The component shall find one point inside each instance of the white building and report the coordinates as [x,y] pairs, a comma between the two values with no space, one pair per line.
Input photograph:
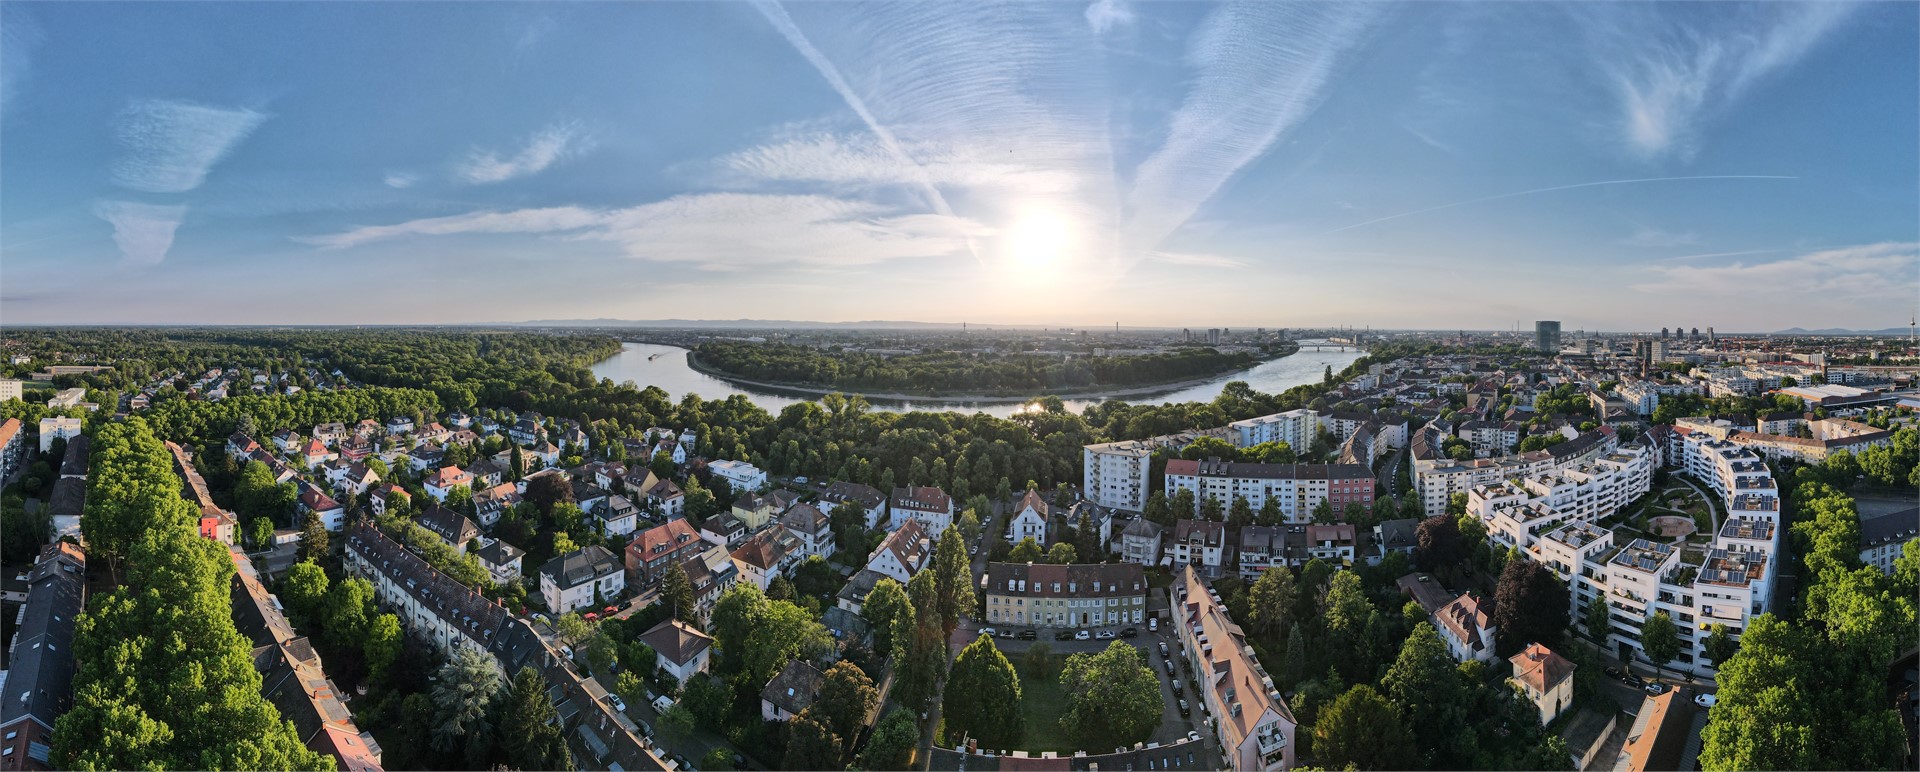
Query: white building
[1438,477]
[932,507]
[57,429]
[1117,474]
[1297,428]
[1029,520]
[581,579]
[1297,488]
[744,477]
[11,389]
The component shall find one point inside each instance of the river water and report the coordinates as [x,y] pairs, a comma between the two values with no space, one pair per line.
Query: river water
[648,364]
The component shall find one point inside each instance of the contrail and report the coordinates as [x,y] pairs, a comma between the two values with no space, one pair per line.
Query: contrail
[1552,189]
[777,15]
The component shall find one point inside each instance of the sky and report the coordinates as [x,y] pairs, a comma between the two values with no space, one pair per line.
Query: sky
[1617,166]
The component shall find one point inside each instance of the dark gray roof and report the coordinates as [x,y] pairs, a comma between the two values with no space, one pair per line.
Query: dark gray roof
[1890,528]
[39,684]
[498,552]
[449,525]
[794,688]
[74,464]
[581,566]
[69,497]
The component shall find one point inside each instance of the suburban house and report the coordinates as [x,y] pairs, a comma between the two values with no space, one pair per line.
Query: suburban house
[1332,542]
[654,549]
[868,498]
[425,457]
[723,529]
[315,453]
[903,553]
[312,499]
[285,440]
[812,527]
[399,425]
[1052,595]
[1030,520]
[1546,678]
[445,479]
[330,433]
[669,498]
[1262,547]
[1201,543]
[683,648]
[1394,536]
[449,526]
[385,496]
[744,477]
[853,595]
[615,515]
[1140,542]
[1467,628]
[932,507]
[767,554]
[712,572]
[790,692]
[502,560]
[753,510]
[490,503]
[581,579]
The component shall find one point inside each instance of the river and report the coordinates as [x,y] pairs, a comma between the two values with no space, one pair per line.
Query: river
[648,364]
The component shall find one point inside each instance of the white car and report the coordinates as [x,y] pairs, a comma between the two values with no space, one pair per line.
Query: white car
[619,705]
[1105,635]
[1706,700]
[987,631]
[1083,636]
[1153,625]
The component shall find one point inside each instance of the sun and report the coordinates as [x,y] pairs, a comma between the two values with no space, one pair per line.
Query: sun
[1038,243]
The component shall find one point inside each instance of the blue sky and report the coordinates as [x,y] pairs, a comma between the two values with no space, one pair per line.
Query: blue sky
[1614,166]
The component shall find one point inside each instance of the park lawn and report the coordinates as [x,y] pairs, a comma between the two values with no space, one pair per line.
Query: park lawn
[1042,703]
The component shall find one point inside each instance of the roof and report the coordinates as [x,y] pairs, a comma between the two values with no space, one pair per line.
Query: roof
[39,683]
[922,498]
[1190,468]
[69,497]
[1032,500]
[909,544]
[724,524]
[9,430]
[74,463]
[794,688]
[676,641]
[1212,533]
[1399,534]
[1229,670]
[581,566]
[662,540]
[766,549]
[1658,737]
[1142,528]
[1890,528]
[1540,668]
[1464,618]
[805,518]
[498,552]
[1049,580]
[1338,533]
[452,527]
[866,496]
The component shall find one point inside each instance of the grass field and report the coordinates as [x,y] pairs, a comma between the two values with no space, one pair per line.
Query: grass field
[1041,705]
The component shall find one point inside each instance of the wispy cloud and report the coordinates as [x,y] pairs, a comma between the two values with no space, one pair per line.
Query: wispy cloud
[1654,238]
[543,150]
[719,231]
[863,161]
[401,179]
[1846,274]
[1105,15]
[169,146]
[144,232]
[1197,259]
[19,36]
[1670,76]
[1556,188]
[1263,68]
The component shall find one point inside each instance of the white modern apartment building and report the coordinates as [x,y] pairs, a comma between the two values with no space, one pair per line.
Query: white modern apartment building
[1642,397]
[1249,718]
[1296,428]
[57,428]
[1117,473]
[1730,469]
[1516,512]
[1298,488]
[1437,477]
[744,477]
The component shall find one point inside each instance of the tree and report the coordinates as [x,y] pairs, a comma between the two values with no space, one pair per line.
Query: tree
[313,538]
[1270,513]
[261,531]
[709,699]
[1425,686]
[886,603]
[983,695]
[662,465]
[1529,605]
[1791,699]
[1113,697]
[846,697]
[305,589]
[757,636]
[926,651]
[547,491]
[1347,607]
[529,725]
[1659,639]
[1157,510]
[892,741]
[1438,544]
[347,618]
[1241,513]
[562,544]
[463,690]
[384,641]
[571,629]
[676,591]
[1599,618]
[1027,551]
[953,576]
[1062,553]
[717,760]
[1361,730]
[1720,645]
[810,744]
[1271,600]
[1211,510]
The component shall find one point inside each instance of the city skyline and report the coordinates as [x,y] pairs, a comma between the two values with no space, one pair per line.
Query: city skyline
[1299,165]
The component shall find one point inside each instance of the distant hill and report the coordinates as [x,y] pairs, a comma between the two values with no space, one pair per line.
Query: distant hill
[742,324]
[1842,331]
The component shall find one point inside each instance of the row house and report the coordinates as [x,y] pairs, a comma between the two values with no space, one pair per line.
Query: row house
[1076,595]
[1249,718]
[1297,488]
[40,659]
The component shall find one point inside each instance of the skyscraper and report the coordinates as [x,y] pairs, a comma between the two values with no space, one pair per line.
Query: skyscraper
[1546,336]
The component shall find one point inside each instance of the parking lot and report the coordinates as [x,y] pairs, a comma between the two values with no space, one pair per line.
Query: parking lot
[1173,726]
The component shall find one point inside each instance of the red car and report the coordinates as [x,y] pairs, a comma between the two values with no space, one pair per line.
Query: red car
[611,610]
[591,616]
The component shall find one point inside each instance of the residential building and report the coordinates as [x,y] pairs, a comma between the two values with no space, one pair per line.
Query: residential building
[767,554]
[932,507]
[1262,547]
[1140,542]
[502,560]
[39,679]
[1297,488]
[68,398]
[445,479]
[315,453]
[1395,536]
[1199,543]
[1884,537]
[724,530]
[1335,543]
[11,388]
[1251,721]
[1077,595]
[582,579]
[684,650]
[1660,734]
[490,503]
[754,511]
[902,553]
[653,550]
[812,527]
[712,572]
[1030,520]
[1438,477]
[449,526]
[1297,428]
[744,477]
[790,691]
[1467,627]
[1546,678]
[57,428]
[1116,474]
[312,499]
[614,515]
[13,448]
[868,498]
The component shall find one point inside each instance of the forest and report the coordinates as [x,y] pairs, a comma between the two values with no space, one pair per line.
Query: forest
[949,372]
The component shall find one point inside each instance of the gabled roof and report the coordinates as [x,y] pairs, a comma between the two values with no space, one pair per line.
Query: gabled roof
[1464,618]
[794,688]
[922,498]
[498,552]
[39,685]
[1540,669]
[450,526]
[676,641]
[581,566]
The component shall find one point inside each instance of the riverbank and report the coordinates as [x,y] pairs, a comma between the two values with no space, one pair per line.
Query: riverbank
[694,363]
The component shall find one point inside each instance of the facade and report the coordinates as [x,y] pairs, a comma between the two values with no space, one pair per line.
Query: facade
[13,448]
[932,507]
[1883,538]
[1199,543]
[1140,542]
[1298,488]
[502,560]
[767,554]
[581,579]
[1030,520]
[1546,678]
[684,650]
[1262,547]
[1051,595]
[1297,428]
[1335,543]
[57,428]
[1437,477]
[903,553]
[1546,337]
[1467,628]
[813,528]
[1250,719]
[744,477]
[1116,474]
[653,550]
[868,498]
[449,526]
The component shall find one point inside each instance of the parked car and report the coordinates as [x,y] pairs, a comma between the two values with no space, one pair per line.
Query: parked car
[1184,710]
[611,610]
[1083,636]
[987,631]
[1004,634]
[1105,635]
[618,704]
[1706,700]
[1153,624]
[1655,687]
[1193,736]
[1027,635]
[1169,667]
[1063,635]
[590,616]
[1613,672]
[1163,650]
[1130,633]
